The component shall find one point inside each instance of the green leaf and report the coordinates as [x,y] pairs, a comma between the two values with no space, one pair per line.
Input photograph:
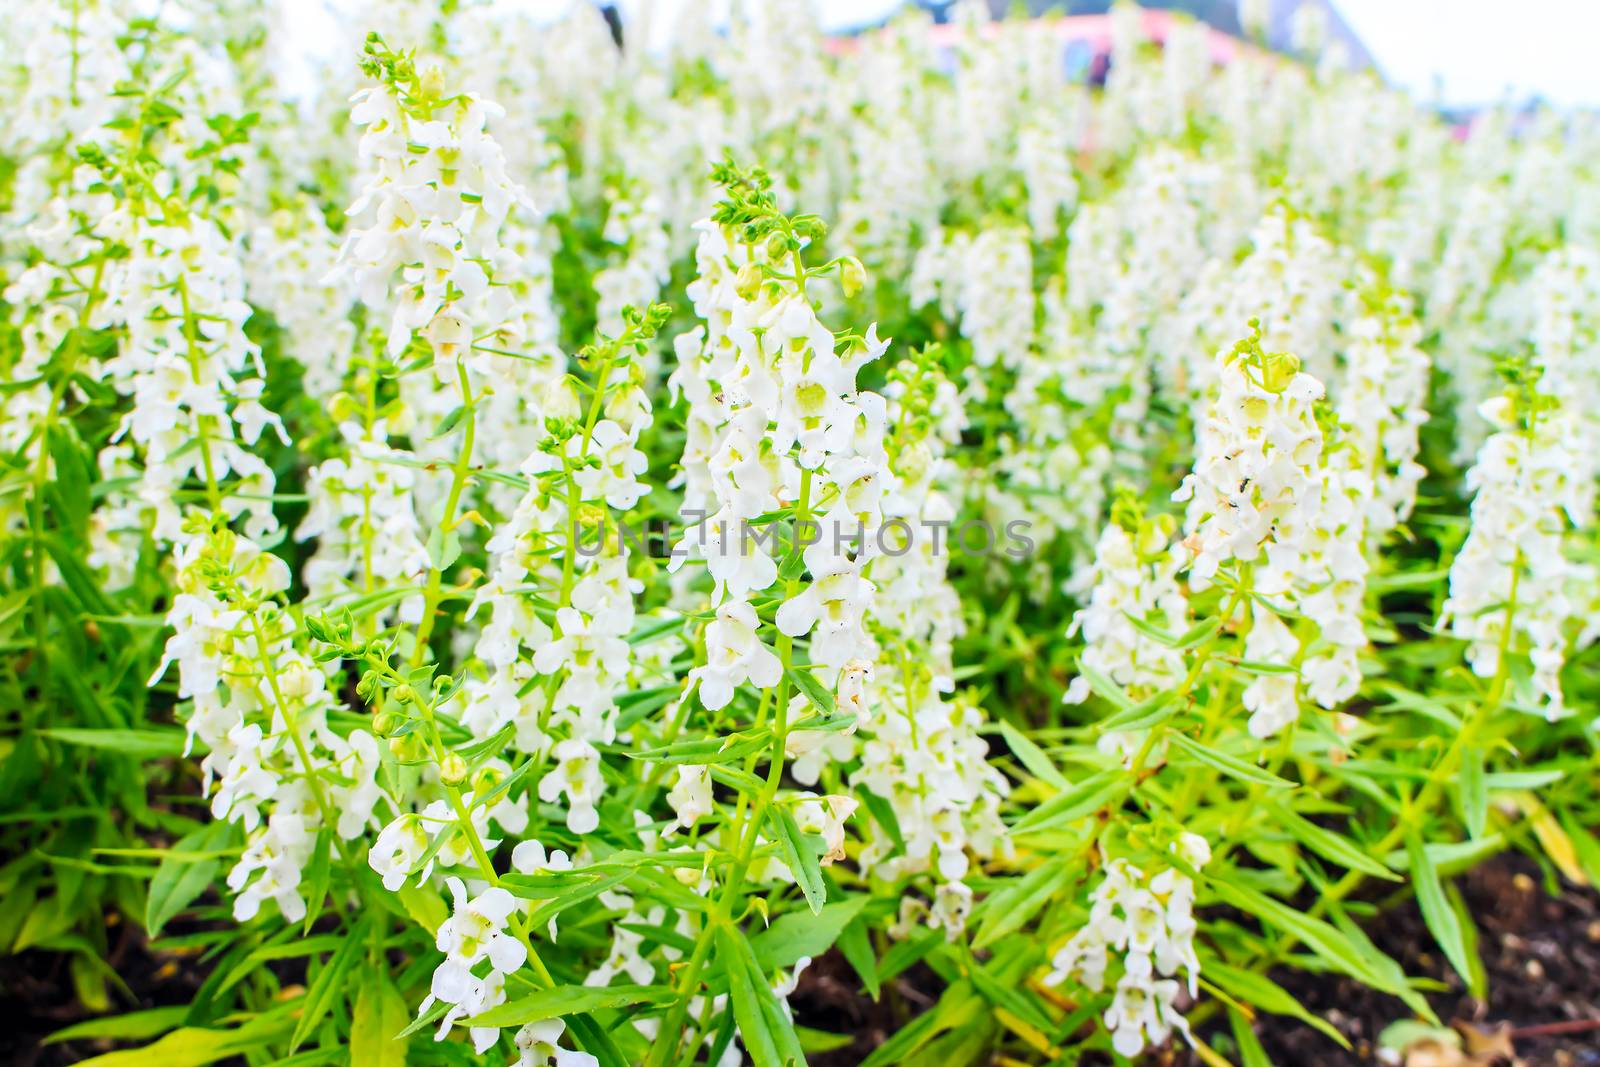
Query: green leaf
[1006,910]
[181,878]
[800,856]
[380,1014]
[1089,795]
[597,1042]
[443,548]
[796,935]
[570,1000]
[195,1046]
[1328,943]
[1507,780]
[1330,846]
[1013,1001]
[882,813]
[424,905]
[1436,911]
[1474,792]
[1584,846]
[1251,1054]
[424,1021]
[1149,712]
[133,1026]
[707,750]
[1450,856]
[819,695]
[958,1007]
[139,744]
[451,420]
[329,983]
[857,951]
[1263,994]
[816,1041]
[768,1033]
[568,898]
[318,872]
[189,1047]
[1477,977]
[1032,757]
[1232,766]
[1102,684]
[1199,634]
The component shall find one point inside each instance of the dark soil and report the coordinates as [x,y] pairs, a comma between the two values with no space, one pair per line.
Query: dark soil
[36,994]
[1541,952]
[829,997]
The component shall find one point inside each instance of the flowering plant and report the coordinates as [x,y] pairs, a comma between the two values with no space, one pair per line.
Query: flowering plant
[488,575]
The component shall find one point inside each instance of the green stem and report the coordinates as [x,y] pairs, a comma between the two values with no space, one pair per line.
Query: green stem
[447,521]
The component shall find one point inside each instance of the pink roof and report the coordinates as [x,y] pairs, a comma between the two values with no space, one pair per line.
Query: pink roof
[1093,29]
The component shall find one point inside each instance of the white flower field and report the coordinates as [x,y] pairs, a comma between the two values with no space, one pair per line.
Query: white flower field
[513,550]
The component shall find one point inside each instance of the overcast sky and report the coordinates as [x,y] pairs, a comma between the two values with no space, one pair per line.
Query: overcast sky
[1476,49]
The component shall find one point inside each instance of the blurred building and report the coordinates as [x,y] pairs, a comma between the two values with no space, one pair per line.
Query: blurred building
[1222,15]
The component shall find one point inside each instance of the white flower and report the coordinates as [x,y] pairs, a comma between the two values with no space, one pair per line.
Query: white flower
[476,930]
[734,655]
[690,795]
[577,776]
[536,1047]
[398,848]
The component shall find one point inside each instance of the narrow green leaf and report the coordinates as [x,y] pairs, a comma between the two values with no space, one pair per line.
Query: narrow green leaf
[1478,977]
[1104,687]
[764,1026]
[1089,795]
[133,1026]
[800,856]
[569,1000]
[1251,1054]
[1148,713]
[1584,845]
[1006,910]
[820,695]
[1032,757]
[1263,994]
[329,983]
[180,878]
[139,744]
[594,1040]
[1318,936]
[424,905]
[1436,911]
[1474,792]
[1232,766]
[882,813]
[857,951]
[1329,845]
[318,872]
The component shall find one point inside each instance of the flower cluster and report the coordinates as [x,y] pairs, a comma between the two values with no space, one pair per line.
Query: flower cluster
[1148,921]
[562,597]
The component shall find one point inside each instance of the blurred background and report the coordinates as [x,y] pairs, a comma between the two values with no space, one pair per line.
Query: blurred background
[1459,55]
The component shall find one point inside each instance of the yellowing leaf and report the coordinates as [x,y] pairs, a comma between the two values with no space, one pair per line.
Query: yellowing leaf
[1552,838]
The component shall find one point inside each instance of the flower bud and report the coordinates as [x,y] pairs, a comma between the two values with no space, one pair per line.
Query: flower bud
[452,769]
[561,401]
[748,281]
[852,275]
[1278,370]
